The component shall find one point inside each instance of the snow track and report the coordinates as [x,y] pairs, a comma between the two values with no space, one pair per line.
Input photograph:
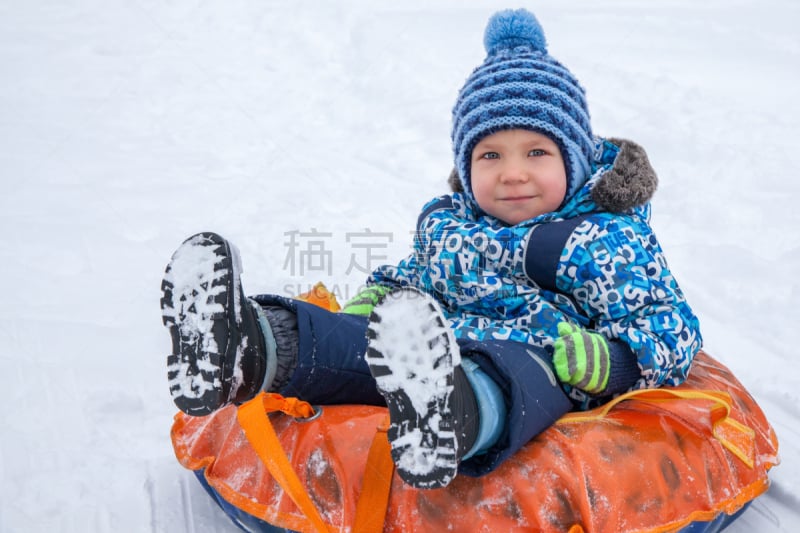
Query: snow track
[128,126]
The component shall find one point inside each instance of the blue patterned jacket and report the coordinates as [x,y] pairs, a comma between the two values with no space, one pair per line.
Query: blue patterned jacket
[604,271]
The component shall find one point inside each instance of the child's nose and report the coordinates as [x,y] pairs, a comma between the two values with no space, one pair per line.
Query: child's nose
[514,172]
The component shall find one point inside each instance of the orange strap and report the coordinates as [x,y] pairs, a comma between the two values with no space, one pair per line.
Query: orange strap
[262,437]
[732,434]
[374,498]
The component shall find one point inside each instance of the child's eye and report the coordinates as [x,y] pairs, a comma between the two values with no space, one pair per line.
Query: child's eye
[490,155]
[536,153]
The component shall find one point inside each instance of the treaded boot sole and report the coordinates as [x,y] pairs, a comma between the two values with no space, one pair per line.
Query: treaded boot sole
[199,306]
[411,354]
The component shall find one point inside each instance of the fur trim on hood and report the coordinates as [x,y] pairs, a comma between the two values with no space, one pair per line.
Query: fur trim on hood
[631,182]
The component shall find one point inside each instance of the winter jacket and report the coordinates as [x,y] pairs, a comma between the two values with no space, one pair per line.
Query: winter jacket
[585,264]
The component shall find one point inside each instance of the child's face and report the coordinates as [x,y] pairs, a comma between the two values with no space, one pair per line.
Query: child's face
[517,175]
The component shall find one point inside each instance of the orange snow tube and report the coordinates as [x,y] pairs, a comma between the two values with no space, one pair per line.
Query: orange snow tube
[656,460]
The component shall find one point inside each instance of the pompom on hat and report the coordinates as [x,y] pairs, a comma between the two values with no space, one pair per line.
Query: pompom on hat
[519,85]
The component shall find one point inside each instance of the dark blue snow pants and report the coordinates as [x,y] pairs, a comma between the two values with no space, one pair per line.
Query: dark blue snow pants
[331,370]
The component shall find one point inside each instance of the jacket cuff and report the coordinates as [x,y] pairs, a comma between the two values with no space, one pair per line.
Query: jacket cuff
[543,250]
[624,369]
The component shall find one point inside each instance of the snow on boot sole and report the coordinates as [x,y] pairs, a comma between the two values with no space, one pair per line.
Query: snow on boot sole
[202,308]
[411,354]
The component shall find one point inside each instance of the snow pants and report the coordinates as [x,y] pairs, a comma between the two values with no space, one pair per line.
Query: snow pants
[331,370]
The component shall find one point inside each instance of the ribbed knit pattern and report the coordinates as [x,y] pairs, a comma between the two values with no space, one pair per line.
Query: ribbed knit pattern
[519,85]
[283,324]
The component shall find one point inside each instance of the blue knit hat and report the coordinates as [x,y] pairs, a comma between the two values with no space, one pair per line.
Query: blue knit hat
[519,85]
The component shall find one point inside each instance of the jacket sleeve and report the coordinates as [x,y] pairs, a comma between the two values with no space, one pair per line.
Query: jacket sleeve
[614,270]
[407,272]
[467,262]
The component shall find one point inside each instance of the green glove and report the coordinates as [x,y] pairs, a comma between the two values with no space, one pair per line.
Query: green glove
[363,302]
[581,358]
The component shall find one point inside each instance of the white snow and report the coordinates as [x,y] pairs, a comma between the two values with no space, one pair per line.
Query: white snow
[420,353]
[127,126]
[190,280]
[404,349]
[192,271]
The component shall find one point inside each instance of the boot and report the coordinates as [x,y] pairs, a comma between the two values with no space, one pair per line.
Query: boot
[414,358]
[218,350]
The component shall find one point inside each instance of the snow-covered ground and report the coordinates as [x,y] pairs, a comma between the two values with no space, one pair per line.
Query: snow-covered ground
[296,129]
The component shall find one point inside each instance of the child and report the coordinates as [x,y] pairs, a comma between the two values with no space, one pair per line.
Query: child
[536,287]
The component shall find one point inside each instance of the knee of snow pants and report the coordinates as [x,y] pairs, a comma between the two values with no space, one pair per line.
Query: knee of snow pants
[330,364]
[533,396]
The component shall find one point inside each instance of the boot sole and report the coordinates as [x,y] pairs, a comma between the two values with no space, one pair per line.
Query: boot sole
[200,307]
[411,354]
